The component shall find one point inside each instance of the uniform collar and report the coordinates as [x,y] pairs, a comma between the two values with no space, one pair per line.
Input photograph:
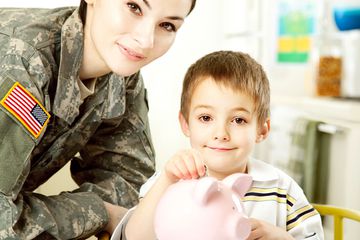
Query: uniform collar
[115,102]
[67,98]
[261,171]
[121,91]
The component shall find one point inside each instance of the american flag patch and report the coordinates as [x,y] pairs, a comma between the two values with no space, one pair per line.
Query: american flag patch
[20,103]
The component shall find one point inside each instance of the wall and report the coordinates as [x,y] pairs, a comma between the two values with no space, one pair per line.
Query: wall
[163,78]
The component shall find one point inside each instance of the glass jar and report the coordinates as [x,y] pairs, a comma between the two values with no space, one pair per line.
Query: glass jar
[328,67]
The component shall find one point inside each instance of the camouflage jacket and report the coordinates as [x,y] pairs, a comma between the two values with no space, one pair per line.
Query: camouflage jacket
[44,124]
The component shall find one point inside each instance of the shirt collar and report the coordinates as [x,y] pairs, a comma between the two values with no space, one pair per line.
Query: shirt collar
[261,171]
[67,98]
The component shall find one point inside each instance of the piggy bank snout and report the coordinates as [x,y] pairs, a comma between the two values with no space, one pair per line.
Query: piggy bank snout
[238,227]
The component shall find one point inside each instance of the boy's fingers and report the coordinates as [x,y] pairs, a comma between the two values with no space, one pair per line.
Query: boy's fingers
[182,167]
[177,166]
[199,162]
[176,171]
[189,161]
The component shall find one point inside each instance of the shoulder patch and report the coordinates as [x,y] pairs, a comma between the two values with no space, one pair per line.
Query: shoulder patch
[24,107]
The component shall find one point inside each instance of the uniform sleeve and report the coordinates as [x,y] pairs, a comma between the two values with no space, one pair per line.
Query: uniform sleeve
[119,233]
[120,157]
[27,215]
[303,221]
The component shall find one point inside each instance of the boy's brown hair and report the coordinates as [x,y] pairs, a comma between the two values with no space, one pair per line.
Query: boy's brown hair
[236,70]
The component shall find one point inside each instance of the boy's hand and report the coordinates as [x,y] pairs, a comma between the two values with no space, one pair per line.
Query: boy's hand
[185,164]
[116,213]
[262,230]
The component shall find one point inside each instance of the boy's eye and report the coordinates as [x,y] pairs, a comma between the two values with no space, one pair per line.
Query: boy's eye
[205,118]
[168,26]
[134,8]
[239,120]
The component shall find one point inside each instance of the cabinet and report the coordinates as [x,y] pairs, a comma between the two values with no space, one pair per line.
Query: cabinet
[341,119]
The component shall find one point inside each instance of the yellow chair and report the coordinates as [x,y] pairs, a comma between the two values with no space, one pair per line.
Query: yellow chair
[339,214]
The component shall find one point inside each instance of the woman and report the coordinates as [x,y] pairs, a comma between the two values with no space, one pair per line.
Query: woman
[70,83]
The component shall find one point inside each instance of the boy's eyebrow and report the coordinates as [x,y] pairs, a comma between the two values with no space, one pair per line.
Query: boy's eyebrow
[236,109]
[241,109]
[170,17]
[202,106]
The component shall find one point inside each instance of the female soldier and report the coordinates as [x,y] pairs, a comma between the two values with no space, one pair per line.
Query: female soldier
[70,83]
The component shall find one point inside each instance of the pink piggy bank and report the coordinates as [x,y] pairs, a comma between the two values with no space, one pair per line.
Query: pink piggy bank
[204,209]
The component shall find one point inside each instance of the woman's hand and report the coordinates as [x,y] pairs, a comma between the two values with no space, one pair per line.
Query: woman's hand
[261,230]
[185,164]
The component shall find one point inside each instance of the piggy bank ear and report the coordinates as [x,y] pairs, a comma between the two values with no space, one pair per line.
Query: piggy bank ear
[205,188]
[239,183]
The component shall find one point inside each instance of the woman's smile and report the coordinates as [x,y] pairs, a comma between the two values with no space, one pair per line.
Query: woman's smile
[131,54]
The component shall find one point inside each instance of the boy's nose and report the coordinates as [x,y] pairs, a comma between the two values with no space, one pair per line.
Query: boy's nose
[221,134]
[222,138]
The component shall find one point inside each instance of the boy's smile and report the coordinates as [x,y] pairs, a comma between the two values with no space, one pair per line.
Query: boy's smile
[222,125]
[221,149]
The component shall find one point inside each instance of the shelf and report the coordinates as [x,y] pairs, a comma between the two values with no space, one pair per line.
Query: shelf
[323,107]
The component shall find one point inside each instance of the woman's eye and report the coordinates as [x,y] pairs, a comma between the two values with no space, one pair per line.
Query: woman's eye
[134,8]
[168,26]
[205,118]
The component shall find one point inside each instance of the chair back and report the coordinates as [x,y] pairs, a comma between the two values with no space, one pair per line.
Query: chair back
[339,214]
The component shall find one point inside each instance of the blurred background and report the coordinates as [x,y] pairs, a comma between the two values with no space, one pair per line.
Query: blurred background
[310,50]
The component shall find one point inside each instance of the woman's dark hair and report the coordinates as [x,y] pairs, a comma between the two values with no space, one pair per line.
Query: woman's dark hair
[83,5]
[82,11]
[192,6]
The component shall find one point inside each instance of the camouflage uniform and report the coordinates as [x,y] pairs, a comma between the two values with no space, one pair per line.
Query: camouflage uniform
[41,49]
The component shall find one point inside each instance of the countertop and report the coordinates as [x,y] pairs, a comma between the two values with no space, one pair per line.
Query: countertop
[337,109]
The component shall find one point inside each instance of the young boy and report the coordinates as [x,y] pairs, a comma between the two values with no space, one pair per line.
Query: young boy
[225,112]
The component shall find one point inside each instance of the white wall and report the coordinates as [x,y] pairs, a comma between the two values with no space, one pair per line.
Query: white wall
[163,78]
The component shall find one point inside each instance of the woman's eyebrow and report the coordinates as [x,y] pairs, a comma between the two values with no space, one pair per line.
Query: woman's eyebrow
[147,4]
[170,17]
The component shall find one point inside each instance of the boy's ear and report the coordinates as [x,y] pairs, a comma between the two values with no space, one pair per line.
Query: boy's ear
[184,125]
[263,131]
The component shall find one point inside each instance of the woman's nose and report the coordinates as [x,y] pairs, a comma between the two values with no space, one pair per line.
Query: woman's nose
[145,35]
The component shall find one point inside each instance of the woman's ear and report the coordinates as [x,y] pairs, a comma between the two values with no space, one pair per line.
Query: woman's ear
[184,125]
[263,131]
